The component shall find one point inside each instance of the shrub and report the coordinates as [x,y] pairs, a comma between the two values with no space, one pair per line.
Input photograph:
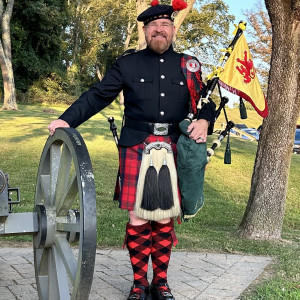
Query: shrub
[52,89]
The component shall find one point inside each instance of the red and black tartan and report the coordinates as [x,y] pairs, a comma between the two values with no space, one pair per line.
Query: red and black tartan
[193,80]
[130,159]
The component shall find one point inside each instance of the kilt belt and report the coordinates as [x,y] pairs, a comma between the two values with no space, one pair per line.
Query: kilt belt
[152,128]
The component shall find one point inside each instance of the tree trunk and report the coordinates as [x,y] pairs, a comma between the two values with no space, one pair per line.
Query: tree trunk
[141,5]
[130,28]
[76,31]
[126,45]
[264,214]
[99,75]
[181,16]
[5,58]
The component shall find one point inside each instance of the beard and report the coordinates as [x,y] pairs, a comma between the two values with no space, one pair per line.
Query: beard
[159,43]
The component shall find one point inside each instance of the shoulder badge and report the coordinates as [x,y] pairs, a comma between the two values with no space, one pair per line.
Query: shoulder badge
[192,65]
[129,51]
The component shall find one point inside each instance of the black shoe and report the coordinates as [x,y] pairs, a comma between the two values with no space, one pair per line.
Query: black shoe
[161,292]
[138,292]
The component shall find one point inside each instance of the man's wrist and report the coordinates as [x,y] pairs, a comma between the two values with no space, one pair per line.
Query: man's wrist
[208,122]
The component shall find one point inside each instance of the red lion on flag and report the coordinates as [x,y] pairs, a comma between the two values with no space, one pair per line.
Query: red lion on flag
[247,69]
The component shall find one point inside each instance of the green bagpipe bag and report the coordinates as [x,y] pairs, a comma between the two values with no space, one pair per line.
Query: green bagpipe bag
[191,162]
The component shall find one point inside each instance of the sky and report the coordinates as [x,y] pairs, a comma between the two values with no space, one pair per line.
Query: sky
[236,8]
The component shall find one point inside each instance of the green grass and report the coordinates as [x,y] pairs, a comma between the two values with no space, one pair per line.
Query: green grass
[23,135]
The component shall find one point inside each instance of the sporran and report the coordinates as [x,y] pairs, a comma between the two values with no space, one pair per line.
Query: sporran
[157,188]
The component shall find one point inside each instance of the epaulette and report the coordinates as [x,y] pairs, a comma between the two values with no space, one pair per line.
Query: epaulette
[129,51]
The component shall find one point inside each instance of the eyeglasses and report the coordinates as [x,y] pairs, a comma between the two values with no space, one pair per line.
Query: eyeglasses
[163,25]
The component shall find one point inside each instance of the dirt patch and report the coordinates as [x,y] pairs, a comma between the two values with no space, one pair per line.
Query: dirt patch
[15,244]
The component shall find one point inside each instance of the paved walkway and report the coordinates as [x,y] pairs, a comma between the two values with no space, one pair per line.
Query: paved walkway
[202,276]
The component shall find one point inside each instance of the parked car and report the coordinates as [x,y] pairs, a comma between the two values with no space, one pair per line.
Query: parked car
[238,126]
[296,148]
[251,131]
[259,128]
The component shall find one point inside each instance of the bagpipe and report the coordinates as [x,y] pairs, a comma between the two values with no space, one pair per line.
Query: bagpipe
[191,166]
[193,157]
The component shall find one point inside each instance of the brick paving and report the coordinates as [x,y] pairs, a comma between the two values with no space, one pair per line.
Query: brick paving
[205,276]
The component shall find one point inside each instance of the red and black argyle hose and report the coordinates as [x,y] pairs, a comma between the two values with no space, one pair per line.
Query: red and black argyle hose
[139,240]
[163,237]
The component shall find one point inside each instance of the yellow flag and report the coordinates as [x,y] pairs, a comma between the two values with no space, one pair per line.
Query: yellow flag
[239,77]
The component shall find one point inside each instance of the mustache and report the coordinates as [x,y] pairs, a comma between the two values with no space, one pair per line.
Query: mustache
[159,34]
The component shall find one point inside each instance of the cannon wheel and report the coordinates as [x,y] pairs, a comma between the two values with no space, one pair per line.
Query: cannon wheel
[65,202]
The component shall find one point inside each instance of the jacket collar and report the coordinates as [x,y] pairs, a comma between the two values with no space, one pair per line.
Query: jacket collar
[167,52]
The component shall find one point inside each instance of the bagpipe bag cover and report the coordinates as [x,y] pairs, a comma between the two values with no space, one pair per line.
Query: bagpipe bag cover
[191,162]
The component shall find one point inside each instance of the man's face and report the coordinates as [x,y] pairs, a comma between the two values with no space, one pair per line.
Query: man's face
[159,35]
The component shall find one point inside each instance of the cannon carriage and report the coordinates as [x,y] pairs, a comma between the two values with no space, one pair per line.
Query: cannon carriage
[63,221]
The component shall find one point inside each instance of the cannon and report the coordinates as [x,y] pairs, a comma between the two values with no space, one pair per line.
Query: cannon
[64,218]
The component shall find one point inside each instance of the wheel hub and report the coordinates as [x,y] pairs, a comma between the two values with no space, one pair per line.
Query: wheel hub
[46,219]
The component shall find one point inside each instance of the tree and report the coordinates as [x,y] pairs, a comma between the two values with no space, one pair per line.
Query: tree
[36,31]
[141,5]
[260,31]
[6,58]
[98,32]
[205,31]
[263,218]
[182,15]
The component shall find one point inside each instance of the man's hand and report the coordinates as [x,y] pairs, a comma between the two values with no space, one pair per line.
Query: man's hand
[198,130]
[56,124]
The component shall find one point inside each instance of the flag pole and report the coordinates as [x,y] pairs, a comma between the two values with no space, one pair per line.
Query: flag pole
[213,80]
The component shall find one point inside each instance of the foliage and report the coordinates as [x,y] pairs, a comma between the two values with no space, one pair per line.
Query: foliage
[51,89]
[214,227]
[95,35]
[36,44]
[205,31]
[207,26]
[82,39]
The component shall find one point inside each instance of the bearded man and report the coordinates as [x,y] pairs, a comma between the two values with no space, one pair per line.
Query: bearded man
[157,96]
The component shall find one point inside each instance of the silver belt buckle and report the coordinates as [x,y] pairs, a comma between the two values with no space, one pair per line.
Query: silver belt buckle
[161,129]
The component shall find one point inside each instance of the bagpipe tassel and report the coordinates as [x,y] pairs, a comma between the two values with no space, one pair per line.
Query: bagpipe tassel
[243,110]
[150,192]
[227,156]
[165,193]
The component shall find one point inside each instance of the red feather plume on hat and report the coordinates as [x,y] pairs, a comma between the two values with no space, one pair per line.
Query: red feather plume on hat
[154,2]
[179,5]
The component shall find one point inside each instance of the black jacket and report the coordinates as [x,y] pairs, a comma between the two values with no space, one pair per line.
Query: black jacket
[155,90]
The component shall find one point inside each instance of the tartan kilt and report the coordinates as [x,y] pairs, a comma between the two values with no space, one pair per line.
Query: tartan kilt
[130,159]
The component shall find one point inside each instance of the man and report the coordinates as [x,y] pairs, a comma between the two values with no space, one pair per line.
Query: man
[155,91]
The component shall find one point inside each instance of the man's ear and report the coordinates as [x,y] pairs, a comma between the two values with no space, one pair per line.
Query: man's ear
[144,28]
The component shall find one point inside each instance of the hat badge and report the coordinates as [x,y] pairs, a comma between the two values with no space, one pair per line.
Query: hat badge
[174,15]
